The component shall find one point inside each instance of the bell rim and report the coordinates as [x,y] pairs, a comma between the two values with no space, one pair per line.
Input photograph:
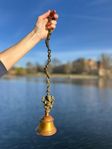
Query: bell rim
[47,133]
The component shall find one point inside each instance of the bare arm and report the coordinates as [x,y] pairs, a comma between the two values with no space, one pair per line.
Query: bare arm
[11,55]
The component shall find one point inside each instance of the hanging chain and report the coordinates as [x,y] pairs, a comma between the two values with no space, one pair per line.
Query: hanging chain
[48,62]
[48,100]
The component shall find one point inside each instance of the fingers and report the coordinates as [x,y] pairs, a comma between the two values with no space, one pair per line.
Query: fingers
[45,15]
[53,22]
[56,16]
[51,25]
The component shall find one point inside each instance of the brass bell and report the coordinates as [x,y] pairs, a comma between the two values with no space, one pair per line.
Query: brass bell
[46,126]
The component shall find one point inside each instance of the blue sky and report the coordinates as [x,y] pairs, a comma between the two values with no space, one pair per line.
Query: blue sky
[84,27]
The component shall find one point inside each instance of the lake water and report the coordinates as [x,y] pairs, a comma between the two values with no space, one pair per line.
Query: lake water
[82,112]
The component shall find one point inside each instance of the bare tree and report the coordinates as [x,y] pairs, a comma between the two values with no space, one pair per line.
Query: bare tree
[78,65]
[56,62]
[106,61]
[30,68]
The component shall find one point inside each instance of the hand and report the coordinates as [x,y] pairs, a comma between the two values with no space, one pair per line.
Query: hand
[41,23]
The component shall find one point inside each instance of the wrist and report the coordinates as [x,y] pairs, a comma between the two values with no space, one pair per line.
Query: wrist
[37,33]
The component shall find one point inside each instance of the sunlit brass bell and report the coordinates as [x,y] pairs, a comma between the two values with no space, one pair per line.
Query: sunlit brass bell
[46,126]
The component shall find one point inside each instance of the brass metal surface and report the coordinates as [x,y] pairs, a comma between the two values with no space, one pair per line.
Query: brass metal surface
[46,126]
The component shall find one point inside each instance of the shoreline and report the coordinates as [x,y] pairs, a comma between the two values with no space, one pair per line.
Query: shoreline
[66,76]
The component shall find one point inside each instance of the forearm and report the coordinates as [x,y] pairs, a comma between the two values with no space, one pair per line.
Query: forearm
[11,55]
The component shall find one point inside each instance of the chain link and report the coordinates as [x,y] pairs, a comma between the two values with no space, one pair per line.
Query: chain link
[48,100]
[48,62]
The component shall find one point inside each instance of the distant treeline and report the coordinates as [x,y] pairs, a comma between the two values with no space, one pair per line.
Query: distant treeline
[78,66]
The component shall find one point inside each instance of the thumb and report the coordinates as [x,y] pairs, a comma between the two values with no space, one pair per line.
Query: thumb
[45,15]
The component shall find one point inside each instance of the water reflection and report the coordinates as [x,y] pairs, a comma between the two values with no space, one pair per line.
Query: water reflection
[82,111]
[99,82]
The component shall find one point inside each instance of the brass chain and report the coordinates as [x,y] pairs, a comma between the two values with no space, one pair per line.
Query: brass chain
[48,62]
[48,100]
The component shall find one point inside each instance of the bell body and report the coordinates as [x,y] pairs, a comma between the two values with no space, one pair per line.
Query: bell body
[46,126]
